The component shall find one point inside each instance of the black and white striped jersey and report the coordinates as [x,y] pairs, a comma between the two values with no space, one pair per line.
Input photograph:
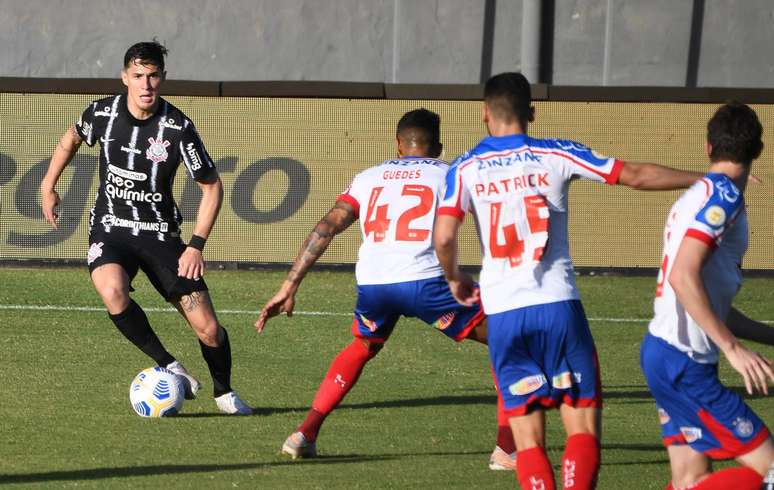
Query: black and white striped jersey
[137,165]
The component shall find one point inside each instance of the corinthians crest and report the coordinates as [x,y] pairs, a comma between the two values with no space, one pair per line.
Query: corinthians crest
[157,152]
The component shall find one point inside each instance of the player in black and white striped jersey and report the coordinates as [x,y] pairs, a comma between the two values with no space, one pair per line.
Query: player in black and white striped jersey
[135,222]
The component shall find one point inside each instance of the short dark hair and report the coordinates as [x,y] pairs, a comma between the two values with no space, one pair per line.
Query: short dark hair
[425,126]
[734,133]
[509,97]
[147,53]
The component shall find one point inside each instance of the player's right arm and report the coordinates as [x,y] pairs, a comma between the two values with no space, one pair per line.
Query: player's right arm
[686,281]
[445,235]
[654,177]
[448,220]
[63,153]
[338,219]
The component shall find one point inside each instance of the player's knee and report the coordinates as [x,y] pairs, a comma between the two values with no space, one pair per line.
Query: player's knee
[208,332]
[116,299]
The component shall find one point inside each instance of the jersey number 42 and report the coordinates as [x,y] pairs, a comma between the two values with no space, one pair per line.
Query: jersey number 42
[378,224]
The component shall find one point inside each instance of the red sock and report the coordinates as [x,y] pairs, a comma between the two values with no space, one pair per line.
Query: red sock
[669,486]
[533,469]
[504,433]
[739,478]
[580,464]
[341,377]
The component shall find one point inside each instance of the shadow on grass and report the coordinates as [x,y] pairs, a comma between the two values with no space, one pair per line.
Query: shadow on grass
[399,403]
[150,470]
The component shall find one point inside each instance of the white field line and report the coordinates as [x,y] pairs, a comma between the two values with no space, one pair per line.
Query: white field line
[101,309]
[92,309]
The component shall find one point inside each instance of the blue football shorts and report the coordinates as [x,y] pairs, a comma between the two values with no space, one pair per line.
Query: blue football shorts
[694,408]
[543,356]
[379,306]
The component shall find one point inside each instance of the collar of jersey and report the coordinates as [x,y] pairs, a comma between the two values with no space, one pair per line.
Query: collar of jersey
[124,109]
[502,142]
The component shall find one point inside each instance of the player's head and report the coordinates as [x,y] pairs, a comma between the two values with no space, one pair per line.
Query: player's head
[419,134]
[508,100]
[143,73]
[734,134]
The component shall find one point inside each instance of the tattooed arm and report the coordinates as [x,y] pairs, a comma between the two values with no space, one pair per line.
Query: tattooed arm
[337,220]
[65,150]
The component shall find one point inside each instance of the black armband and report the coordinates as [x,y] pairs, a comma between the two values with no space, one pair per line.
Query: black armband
[197,242]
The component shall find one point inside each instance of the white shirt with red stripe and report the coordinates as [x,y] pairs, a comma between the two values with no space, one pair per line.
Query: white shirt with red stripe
[711,210]
[396,203]
[517,187]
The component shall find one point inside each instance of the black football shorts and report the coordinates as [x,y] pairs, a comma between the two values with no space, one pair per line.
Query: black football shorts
[157,259]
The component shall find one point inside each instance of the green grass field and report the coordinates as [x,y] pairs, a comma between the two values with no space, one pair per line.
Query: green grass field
[421,416]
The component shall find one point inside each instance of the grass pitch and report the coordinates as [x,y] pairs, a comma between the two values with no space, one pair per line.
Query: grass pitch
[421,416]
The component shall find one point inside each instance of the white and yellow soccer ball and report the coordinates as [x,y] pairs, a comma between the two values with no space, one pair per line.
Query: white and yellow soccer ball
[157,392]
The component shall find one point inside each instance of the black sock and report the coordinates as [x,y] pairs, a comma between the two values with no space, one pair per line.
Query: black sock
[133,323]
[219,361]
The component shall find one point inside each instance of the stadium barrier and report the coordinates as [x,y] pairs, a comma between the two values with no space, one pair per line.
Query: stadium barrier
[286,150]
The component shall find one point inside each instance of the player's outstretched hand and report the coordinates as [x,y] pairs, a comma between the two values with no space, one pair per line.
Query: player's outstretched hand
[49,200]
[754,368]
[282,302]
[464,289]
[191,264]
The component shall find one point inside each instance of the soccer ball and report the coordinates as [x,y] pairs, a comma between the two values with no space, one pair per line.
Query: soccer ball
[157,392]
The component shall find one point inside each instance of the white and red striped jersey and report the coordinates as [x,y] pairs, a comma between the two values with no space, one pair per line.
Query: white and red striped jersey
[396,203]
[711,210]
[517,188]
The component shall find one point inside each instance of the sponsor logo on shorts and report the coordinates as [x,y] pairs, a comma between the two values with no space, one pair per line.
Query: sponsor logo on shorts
[715,215]
[157,151]
[370,324]
[95,252]
[445,321]
[562,381]
[743,427]
[691,434]
[663,416]
[170,123]
[527,385]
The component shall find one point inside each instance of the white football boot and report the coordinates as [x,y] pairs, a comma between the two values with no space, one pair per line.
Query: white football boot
[231,404]
[190,383]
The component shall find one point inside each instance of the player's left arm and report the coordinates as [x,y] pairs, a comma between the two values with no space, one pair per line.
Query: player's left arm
[191,263]
[338,219]
[686,280]
[445,234]
[654,177]
[746,328]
